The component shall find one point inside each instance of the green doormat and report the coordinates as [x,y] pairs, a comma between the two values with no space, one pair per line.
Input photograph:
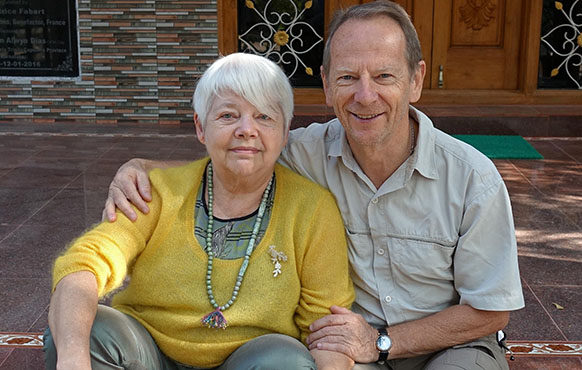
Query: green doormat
[501,147]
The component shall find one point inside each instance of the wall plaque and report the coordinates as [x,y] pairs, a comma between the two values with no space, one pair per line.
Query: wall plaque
[38,38]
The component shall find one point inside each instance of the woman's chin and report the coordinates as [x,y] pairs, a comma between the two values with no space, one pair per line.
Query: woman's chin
[244,169]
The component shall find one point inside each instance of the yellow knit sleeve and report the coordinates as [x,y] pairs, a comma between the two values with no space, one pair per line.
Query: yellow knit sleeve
[325,279]
[108,249]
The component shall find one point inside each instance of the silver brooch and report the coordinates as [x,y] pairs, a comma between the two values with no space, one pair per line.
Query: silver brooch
[276,258]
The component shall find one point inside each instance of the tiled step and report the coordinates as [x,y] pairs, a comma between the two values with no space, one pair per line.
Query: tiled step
[528,355]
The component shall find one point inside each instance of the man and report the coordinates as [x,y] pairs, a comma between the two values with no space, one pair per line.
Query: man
[432,245]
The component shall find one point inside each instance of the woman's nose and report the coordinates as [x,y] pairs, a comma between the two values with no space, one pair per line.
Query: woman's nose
[247,127]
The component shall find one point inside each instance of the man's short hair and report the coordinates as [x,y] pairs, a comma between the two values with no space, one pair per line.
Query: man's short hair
[372,10]
[256,79]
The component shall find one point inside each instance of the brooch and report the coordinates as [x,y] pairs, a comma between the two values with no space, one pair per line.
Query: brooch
[276,258]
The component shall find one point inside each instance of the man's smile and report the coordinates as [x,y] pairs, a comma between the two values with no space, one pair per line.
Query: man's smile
[366,116]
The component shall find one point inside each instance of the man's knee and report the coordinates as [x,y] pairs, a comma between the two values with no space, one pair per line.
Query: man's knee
[467,358]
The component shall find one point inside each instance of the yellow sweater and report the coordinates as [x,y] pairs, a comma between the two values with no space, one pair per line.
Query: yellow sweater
[167,265]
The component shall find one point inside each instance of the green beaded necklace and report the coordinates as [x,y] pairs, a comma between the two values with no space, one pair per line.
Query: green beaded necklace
[216,319]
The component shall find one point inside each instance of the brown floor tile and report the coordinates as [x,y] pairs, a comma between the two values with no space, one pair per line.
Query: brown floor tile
[12,158]
[531,322]
[565,125]
[99,174]
[573,211]
[29,251]
[4,172]
[66,209]
[144,147]
[545,363]
[4,353]
[545,269]
[18,203]
[23,301]
[572,148]
[5,229]
[40,325]
[24,359]
[39,177]
[547,149]
[569,298]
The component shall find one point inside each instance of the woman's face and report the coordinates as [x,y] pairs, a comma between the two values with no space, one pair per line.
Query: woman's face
[240,139]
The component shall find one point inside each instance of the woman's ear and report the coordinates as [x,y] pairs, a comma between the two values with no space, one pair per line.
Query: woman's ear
[199,128]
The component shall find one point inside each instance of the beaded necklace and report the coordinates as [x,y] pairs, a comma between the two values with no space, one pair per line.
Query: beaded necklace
[216,319]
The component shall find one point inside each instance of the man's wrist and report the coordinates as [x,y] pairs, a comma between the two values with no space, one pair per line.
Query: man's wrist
[383,344]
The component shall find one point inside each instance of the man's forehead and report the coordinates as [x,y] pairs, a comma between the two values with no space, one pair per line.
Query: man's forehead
[355,45]
[367,34]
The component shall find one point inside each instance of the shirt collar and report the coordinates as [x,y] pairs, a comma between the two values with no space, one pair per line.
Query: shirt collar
[423,159]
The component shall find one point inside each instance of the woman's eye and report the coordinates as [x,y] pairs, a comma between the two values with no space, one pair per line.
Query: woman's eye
[226,115]
[264,117]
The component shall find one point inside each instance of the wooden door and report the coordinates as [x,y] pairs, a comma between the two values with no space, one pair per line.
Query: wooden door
[476,44]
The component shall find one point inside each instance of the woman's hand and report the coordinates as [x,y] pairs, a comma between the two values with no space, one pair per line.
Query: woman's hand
[328,360]
[344,332]
[130,184]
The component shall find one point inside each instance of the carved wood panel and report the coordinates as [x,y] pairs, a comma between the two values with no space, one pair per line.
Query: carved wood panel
[476,43]
[477,22]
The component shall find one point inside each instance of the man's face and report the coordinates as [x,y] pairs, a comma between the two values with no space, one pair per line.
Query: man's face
[369,85]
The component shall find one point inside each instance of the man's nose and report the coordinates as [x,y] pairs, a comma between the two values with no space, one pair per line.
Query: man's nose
[365,91]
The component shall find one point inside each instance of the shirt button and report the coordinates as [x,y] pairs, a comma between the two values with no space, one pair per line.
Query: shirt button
[375,200]
[381,251]
[388,299]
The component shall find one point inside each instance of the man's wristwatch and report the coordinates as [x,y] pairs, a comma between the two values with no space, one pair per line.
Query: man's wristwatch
[383,344]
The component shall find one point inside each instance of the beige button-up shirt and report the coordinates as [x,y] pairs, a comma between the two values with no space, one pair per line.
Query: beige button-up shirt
[438,232]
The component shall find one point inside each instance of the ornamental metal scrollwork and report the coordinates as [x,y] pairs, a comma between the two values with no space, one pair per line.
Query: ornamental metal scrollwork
[571,47]
[281,35]
[477,13]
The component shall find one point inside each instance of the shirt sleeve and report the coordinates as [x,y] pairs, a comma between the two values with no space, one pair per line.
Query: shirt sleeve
[485,263]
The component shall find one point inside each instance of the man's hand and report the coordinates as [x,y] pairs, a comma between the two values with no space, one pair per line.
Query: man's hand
[345,332]
[130,184]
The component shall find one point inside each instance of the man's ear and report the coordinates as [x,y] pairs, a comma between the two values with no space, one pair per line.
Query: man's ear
[326,91]
[199,129]
[417,81]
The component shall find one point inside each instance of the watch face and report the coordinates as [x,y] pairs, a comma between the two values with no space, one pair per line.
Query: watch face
[383,343]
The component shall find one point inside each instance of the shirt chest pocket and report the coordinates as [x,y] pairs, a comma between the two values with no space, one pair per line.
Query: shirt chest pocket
[424,271]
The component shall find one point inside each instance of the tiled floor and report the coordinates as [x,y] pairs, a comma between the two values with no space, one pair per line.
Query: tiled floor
[52,187]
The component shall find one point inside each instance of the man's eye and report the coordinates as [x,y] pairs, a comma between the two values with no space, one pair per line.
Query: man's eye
[346,78]
[385,75]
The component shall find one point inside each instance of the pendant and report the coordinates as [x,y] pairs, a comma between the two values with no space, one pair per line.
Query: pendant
[214,320]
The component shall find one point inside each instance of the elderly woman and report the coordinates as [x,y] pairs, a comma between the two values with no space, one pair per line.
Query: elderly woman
[234,261]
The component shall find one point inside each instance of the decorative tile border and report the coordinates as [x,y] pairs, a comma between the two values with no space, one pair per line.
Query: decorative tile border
[21,340]
[519,348]
[549,348]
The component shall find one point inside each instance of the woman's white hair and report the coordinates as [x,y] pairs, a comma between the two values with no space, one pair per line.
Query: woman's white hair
[254,78]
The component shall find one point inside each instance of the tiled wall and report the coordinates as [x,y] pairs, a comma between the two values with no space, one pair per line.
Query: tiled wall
[139,63]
